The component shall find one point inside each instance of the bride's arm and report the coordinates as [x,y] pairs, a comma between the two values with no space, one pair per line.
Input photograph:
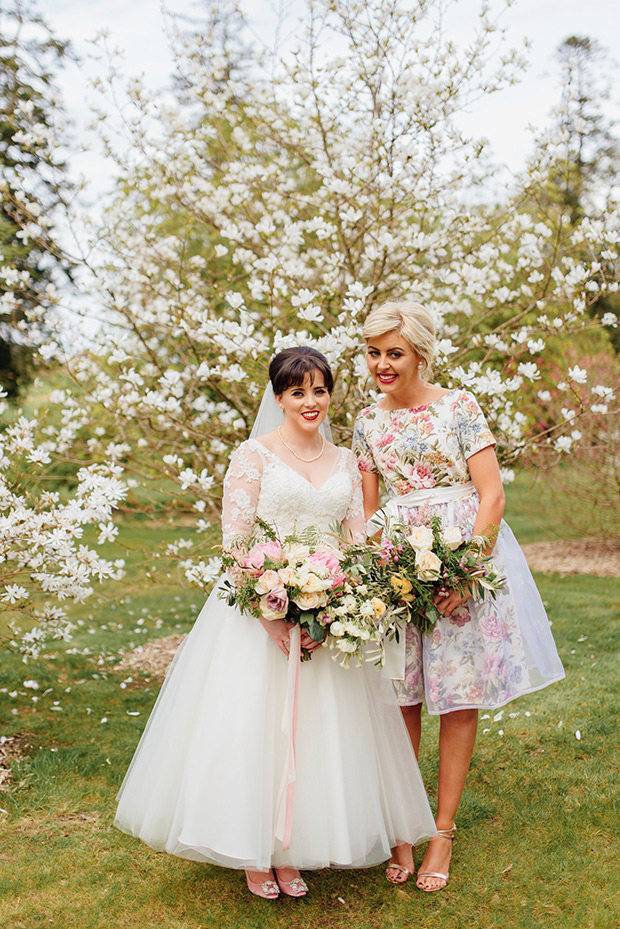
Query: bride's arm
[241,493]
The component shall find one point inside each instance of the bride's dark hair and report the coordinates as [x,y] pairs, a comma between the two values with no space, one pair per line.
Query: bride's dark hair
[290,368]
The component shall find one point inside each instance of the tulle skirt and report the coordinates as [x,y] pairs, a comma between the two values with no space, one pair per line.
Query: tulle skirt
[204,780]
[487,652]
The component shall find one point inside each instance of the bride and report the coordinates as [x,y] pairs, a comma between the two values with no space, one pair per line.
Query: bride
[206,779]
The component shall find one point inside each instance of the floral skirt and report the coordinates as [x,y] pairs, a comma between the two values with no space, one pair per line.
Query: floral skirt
[487,652]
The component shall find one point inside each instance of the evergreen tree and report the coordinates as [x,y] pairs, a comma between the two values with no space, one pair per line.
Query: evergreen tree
[592,153]
[31,178]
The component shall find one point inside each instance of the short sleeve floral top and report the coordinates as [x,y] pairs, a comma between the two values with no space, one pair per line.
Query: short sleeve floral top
[423,446]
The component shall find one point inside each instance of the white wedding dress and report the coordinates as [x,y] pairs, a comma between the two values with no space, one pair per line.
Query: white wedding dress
[204,780]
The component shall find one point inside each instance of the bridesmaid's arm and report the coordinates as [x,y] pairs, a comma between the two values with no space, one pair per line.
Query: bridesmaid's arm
[484,472]
[370,489]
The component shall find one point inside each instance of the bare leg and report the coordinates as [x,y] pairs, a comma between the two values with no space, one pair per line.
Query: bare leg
[457,737]
[259,877]
[413,721]
[402,854]
[287,874]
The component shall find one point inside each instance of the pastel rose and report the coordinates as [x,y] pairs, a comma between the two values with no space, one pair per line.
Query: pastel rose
[309,601]
[296,553]
[255,558]
[421,538]
[268,581]
[313,584]
[326,557]
[288,576]
[427,566]
[274,605]
[452,537]
[338,578]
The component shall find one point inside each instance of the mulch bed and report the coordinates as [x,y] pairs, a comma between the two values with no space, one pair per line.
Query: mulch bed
[152,658]
[12,748]
[575,556]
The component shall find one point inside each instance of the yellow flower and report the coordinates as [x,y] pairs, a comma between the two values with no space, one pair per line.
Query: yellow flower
[402,587]
[379,607]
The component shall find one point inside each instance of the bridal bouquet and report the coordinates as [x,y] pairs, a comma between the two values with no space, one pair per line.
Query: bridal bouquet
[411,565]
[300,579]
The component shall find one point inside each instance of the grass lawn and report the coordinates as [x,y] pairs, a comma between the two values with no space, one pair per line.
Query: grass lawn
[537,844]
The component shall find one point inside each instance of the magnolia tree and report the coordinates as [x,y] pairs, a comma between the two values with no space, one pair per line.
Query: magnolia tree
[42,560]
[277,199]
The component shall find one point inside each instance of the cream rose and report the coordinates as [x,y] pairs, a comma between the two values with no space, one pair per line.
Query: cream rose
[296,553]
[336,628]
[427,566]
[268,581]
[310,601]
[452,537]
[421,538]
[314,584]
[287,576]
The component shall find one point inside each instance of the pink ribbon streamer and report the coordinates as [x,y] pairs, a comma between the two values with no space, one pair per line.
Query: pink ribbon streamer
[286,795]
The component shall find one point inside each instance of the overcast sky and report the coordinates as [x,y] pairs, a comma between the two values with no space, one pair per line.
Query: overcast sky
[138,27]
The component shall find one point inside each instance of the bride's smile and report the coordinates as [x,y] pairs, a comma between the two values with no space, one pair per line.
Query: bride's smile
[305,407]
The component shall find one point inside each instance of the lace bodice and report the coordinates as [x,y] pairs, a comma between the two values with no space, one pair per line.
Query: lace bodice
[259,483]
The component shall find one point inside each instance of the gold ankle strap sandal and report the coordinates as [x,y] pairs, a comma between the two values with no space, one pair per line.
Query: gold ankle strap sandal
[437,875]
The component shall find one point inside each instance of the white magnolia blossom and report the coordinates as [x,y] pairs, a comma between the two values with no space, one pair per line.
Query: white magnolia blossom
[274,205]
[42,559]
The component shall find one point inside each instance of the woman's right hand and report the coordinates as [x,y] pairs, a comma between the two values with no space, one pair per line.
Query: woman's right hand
[280,632]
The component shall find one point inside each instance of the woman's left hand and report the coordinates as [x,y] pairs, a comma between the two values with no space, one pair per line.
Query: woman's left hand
[308,643]
[447,603]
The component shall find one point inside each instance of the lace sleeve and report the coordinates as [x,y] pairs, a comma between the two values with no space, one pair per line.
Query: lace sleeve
[241,490]
[354,522]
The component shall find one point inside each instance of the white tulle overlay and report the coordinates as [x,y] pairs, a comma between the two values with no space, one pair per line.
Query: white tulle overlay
[204,780]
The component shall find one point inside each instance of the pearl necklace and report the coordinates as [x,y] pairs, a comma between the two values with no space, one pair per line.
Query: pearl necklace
[293,452]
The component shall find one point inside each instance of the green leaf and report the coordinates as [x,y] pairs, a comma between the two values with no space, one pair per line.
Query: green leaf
[315,630]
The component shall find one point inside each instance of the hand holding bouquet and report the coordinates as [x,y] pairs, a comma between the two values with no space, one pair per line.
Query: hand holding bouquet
[299,579]
[412,565]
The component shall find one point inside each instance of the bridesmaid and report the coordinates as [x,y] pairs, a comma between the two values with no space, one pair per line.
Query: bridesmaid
[435,453]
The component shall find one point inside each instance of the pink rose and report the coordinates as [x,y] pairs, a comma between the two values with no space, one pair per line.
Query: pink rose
[329,558]
[255,558]
[274,605]
[331,561]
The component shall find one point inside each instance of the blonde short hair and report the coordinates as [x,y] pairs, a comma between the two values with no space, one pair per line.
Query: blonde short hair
[410,320]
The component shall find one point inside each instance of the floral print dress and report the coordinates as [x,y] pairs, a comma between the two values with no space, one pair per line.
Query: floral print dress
[486,652]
